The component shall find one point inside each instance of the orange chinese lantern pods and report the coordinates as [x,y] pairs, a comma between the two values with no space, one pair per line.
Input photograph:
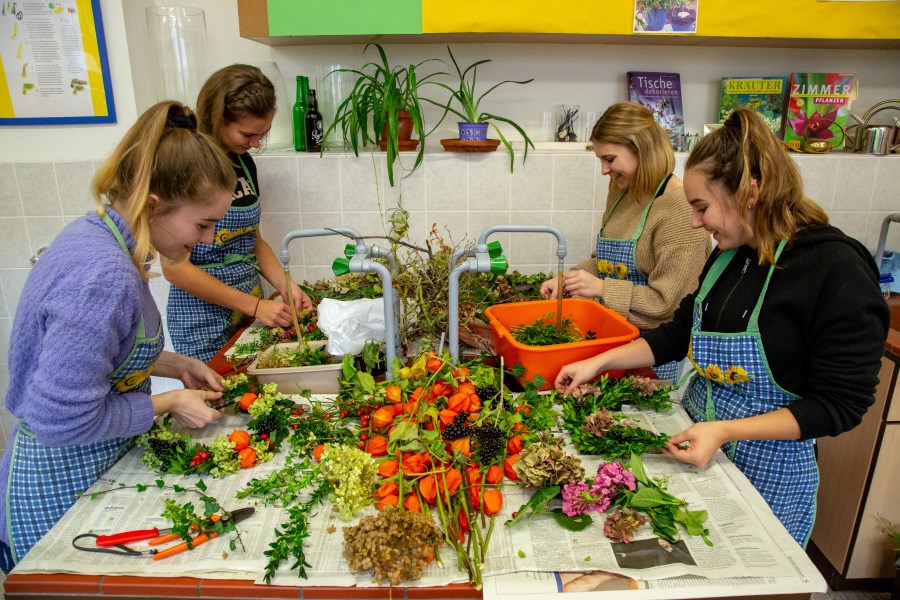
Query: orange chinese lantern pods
[440,389]
[462,446]
[393,393]
[453,479]
[492,502]
[514,445]
[466,388]
[428,489]
[446,416]
[494,474]
[417,394]
[434,364]
[246,400]
[240,438]
[458,402]
[508,467]
[412,503]
[388,468]
[247,457]
[377,446]
[318,451]
[388,488]
[382,417]
[475,496]
[474,403]
[410,408]
[473,475]
[387,501]
[414,465]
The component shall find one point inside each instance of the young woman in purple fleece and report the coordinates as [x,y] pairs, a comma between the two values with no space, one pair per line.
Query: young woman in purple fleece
[87,333]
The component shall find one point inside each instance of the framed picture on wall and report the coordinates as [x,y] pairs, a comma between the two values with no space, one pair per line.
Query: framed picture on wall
[54,64]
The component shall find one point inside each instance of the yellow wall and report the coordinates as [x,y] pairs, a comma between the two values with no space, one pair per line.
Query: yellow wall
[729,18]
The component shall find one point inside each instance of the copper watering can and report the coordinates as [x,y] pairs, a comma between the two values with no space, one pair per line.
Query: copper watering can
[875,139]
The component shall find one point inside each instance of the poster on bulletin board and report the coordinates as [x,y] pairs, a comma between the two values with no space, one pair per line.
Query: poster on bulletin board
[53,63]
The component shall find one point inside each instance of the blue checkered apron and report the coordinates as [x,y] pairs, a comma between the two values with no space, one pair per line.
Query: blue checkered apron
[616,258]
[732,380]
[45,481]
[199,328]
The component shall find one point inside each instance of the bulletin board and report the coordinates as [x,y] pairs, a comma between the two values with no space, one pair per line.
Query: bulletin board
[53,63]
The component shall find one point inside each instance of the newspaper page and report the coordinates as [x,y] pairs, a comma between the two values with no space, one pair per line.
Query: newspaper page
[749,543]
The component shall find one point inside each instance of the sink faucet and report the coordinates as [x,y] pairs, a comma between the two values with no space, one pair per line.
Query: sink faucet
[484,258]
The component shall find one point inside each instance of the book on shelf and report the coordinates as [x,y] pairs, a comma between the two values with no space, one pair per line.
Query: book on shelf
[766,96]
[661,93]
[818,107]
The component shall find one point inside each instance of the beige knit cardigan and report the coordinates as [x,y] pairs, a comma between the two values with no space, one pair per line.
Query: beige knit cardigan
[669,252]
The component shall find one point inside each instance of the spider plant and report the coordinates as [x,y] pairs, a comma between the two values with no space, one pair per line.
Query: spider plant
[381,92]
[465,102]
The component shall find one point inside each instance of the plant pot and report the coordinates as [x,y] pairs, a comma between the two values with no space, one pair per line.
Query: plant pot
[472,132]
[404,127]
[683,19]
[320,379]
[655,19]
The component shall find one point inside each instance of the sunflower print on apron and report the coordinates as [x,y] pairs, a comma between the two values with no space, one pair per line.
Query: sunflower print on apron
[45,481]
[732,380]
[616,258]
[199,328]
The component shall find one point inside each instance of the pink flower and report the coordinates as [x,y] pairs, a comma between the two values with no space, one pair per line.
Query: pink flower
[577,499]
[815,125]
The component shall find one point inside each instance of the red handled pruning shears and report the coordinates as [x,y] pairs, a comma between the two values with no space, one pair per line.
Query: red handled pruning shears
[115,543]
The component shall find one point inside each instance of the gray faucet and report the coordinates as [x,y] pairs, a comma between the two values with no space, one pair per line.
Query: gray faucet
[359,261]
[485,258]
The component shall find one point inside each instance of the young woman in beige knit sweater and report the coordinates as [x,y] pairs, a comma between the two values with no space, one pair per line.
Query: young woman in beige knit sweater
[648,256]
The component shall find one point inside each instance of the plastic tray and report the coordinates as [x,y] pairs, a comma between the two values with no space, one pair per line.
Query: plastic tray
[321,379]
[611,328]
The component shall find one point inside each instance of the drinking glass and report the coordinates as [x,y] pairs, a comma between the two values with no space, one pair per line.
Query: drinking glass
[333,86]
[281,135]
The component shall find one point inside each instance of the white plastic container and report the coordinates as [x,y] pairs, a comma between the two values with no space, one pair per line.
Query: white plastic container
[320,379]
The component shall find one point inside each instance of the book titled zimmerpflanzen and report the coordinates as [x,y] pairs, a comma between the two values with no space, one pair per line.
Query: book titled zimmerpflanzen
[818,107]
[765,95]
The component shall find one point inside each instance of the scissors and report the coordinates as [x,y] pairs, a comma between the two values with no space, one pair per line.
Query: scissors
[115,543]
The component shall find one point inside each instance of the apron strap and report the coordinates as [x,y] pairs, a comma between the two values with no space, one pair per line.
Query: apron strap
[753,325]
[640,226]
[233,259]
[115,231]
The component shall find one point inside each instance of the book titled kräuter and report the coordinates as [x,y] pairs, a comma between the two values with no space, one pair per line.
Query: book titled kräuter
[764,95]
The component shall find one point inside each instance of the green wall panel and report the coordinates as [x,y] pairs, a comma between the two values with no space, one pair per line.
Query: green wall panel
[344,17]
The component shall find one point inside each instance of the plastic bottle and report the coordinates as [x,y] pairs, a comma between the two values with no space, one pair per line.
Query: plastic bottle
[300,113]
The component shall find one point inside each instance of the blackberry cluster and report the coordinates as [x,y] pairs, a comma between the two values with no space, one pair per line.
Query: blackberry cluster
[580,405]
[459,428]
[492,441]
[165,449]
[267,425]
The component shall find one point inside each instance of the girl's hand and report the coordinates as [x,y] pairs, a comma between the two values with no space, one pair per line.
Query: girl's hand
[196,375]
[301,300]
[548,288]
[573,375]
[189,408]
[581,283]
[697,444]
[274,313]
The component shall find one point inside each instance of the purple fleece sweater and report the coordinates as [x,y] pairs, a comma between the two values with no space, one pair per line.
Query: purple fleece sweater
[76,322]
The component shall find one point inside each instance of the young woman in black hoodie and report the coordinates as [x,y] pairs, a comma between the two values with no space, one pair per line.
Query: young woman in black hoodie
[785,332]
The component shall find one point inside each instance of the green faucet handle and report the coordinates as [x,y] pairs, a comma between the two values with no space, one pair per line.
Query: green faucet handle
[494,249]
[499,264]
[349,250]
[340,266]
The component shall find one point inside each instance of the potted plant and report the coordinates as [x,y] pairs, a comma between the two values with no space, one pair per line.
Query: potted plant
[385,98]
[683,18]
[465,103]
[654,13]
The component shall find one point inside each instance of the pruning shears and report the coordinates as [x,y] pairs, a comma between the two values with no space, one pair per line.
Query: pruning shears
[115,543]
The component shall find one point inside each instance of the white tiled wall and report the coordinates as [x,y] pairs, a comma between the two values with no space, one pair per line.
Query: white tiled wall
[461,193]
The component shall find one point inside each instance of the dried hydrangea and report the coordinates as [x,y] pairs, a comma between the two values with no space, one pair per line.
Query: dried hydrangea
[545,463]
[602,421]
[645,385]
[352,474]
[621,525]
[577,499]
[396,544]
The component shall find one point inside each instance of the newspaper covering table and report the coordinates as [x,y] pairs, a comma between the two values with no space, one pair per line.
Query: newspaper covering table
[750,549]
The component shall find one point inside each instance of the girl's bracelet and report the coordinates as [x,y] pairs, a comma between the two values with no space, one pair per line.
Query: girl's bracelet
[257,307]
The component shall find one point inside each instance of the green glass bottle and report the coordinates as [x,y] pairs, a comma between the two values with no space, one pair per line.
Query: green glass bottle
[300,107]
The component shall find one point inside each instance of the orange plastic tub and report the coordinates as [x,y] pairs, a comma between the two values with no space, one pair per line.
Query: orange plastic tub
[611,328]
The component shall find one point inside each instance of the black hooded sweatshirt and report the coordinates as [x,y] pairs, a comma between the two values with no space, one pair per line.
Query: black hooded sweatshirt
[823,324]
